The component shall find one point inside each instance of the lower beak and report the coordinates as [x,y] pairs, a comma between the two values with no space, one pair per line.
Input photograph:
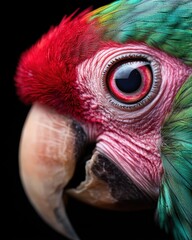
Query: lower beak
[50,146]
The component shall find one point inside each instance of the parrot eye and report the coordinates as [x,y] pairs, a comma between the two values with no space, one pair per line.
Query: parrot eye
[132,81]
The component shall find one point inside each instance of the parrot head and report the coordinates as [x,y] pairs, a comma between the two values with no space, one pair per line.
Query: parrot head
[111,91]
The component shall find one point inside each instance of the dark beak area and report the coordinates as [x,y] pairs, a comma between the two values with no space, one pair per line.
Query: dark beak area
[56,160]
[107,186]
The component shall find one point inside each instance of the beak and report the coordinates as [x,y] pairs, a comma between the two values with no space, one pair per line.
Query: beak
[51,148]
[47,162]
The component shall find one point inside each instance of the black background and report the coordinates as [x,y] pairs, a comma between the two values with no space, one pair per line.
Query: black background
[21,25]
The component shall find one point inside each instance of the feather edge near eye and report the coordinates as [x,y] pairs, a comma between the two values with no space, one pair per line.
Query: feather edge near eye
[132,80]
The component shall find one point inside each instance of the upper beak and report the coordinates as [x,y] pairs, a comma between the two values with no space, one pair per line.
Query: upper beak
[50,146]
[47,163]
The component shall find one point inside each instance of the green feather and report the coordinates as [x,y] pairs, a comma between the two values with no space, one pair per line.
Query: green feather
[165,24]
[174,208]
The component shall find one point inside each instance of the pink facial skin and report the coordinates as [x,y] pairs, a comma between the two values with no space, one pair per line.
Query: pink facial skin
[73,82]
[130,135]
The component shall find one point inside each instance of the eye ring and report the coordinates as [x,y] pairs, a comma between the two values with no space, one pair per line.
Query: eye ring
[126,99]
[129,82]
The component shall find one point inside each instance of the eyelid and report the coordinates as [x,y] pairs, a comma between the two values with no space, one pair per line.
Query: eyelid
[133,58]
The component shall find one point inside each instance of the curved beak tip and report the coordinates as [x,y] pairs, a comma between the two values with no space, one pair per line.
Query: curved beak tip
[47,163]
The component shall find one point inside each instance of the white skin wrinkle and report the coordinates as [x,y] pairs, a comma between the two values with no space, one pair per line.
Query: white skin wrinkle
[131,138]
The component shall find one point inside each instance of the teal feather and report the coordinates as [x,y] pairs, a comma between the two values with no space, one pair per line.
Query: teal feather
[174,210]
[165,24]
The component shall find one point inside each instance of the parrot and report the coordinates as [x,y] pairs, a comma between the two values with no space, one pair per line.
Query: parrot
[110,91]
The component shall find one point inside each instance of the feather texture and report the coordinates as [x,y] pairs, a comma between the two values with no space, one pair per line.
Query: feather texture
[166,25]
[175,200]
[48,69]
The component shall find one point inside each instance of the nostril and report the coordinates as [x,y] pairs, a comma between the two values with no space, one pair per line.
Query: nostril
[80,174]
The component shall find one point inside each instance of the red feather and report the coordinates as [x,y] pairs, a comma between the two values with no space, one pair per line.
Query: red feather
[46,72]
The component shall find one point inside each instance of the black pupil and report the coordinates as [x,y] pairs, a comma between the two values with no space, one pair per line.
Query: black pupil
[128,79]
